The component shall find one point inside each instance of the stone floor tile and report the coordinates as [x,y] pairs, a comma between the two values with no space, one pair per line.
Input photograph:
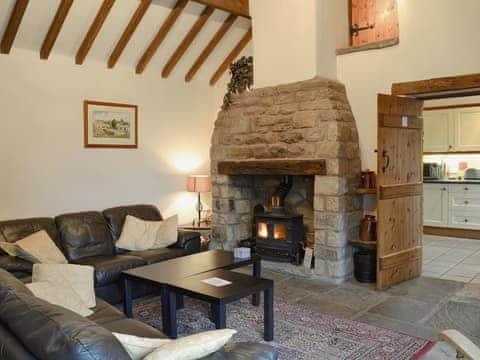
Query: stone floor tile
[473,259]
[404,308]
[434,251]
[440,351]
[464,279]
[426,289]
[354,297]
[398,325]
[464,270]
[469,245]
[327,307]
[431,274]
[437,267]
[475,280]
[454,256]
[469,293]
[462,316]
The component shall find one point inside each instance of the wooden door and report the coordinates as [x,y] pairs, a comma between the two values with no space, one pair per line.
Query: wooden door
[400,188]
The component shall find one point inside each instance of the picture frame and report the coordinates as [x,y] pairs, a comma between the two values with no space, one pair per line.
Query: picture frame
[110,125]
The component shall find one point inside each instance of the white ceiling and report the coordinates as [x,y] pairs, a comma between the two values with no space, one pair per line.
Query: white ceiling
[39,15]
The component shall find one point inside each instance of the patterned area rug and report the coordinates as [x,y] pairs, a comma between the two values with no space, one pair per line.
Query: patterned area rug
[300,332]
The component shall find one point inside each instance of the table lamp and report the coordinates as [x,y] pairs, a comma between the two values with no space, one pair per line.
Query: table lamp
[199,184]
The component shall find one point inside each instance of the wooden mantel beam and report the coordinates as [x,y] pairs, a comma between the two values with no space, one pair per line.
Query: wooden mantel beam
[55,28]
[187,41]
[231,57]
[161,35]
[94,30]
[227,24]
[237,7]
[13,25]
[128,32]
[273,167]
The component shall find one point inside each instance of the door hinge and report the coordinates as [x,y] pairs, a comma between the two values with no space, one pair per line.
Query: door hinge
[355,29]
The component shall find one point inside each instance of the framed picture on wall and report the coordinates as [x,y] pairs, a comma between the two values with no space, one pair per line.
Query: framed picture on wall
[110,125]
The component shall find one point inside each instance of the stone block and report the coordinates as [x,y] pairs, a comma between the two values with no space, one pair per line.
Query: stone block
[340,269]
[330,185]
[240,125]
[291,137]
[319,203]
[304,119]
[327,149]
[331,253]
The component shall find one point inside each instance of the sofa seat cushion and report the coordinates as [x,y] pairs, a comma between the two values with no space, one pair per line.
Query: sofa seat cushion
[108,269]
[14,264]
[157,255]
[105,313]
[51,332]
[134,327]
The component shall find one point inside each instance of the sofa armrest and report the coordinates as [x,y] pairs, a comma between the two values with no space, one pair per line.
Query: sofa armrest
[189,241]
[244,351]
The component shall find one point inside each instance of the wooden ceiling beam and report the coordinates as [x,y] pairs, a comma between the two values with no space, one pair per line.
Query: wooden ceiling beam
[55,28]
[161,35]
[187,41]
[237,7]
[128,32]
[438,88]
[12,26]
[227,24]
[231,57]
[93,31]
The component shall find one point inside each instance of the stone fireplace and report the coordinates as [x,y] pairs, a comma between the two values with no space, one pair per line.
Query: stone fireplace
[305,130]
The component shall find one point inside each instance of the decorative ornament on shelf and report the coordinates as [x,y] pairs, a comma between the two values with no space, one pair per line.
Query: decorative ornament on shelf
[241,72]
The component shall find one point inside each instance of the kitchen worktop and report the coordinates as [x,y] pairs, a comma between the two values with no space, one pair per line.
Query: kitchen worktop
[450,181]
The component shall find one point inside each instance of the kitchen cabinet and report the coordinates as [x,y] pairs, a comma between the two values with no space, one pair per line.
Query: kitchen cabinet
[452,130]
[435,204]
[451,205]
[438,131]
[467,129]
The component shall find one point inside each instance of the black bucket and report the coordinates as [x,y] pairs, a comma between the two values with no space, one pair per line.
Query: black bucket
[365,266]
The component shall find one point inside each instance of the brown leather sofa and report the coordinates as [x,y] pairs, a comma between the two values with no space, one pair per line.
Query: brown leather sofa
[88,238]
[32,329]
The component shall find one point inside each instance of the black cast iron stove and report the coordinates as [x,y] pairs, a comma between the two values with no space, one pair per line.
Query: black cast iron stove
[280,236]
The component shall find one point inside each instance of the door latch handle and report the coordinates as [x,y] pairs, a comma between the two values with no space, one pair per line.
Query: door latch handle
[386,160]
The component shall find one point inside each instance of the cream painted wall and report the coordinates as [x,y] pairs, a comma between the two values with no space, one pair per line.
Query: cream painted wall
[284,41]
[46,171]
[437,38]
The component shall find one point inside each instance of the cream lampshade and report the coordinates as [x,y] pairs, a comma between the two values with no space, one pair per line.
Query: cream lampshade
[199,184]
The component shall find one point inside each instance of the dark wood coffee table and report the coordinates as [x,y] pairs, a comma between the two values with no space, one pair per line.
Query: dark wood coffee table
[241,286]
[166,272]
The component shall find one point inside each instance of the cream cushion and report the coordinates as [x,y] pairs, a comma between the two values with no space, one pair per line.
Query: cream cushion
[63,296]
[79,277]
[192,347]
[36,248]
[139,347]
[167,233]
[138,234]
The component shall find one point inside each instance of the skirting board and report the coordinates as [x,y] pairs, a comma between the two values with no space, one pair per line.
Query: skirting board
[452,232]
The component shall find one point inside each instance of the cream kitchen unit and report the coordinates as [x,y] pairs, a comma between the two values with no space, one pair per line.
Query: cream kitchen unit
[452,204]
[452,130]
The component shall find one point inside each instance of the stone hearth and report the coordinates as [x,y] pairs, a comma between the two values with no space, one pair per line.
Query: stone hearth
[309,120]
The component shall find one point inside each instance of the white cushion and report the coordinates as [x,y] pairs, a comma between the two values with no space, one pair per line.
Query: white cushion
[167,233]
[192,347]
[63,296]
[138,347]
[138,234]
[36,248]
[79,277]
[42,248]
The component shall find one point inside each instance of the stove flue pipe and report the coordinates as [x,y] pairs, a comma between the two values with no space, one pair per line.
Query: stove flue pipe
[278,198]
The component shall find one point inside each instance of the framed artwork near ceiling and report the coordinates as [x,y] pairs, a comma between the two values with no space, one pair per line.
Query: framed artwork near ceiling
[110,125]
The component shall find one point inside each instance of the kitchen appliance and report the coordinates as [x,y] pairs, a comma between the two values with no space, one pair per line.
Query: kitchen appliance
[432,171]
[471,174]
